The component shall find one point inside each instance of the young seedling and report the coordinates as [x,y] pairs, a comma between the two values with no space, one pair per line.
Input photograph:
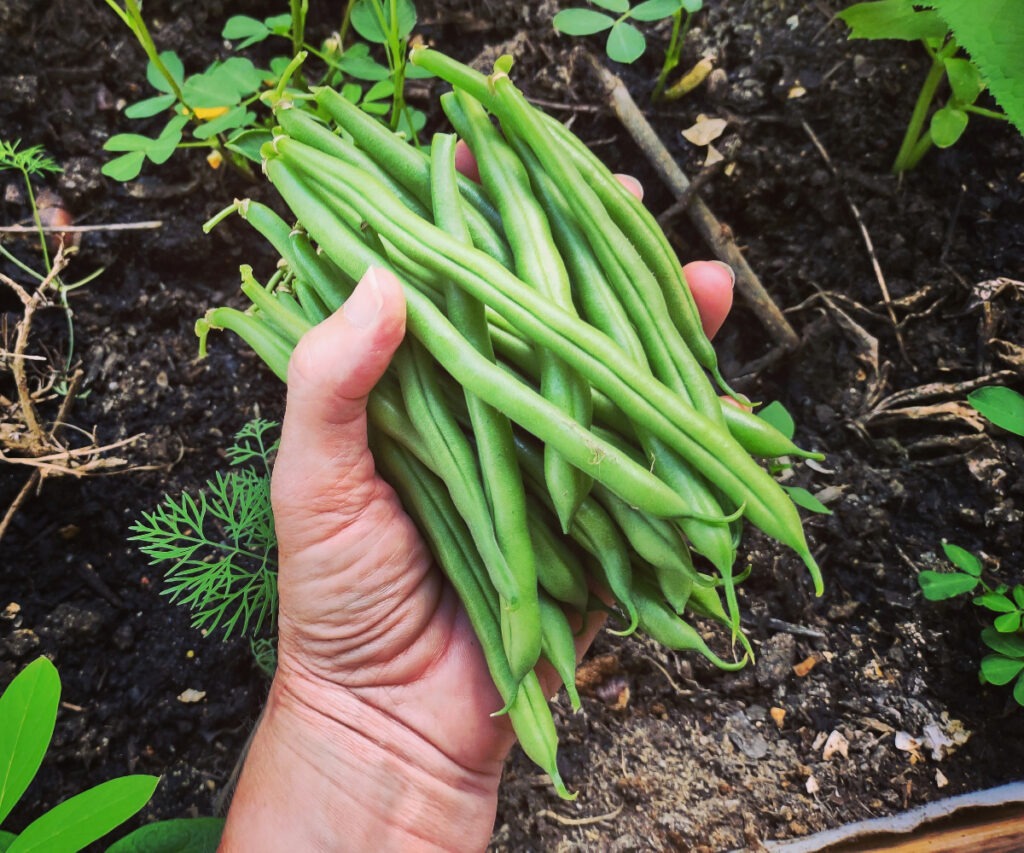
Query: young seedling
[625,42]
[947,28]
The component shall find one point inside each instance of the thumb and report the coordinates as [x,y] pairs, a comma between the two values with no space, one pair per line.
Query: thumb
[324,469]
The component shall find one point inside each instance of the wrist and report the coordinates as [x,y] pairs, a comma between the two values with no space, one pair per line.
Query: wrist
[328,769]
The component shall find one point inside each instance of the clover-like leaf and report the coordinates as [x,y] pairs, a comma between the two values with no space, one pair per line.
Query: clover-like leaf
[801,497]
[368,23]
[964,79]
[626,43]
[581,22]
[777,415]
[248,143]
[126,167]
[1009,645]
[619,7]
[1000,670]
[1003,406]
[947,126]
[996,603]
[357,62]
[172,62]
[237,117]
[655,10]
[245,30]
[1018,690]
[1008,623]
[150,106]
[962,559]
[938,586]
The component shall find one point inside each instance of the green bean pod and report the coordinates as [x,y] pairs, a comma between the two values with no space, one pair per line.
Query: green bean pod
[261,337]
[559,645]
[538,264]
[559,571]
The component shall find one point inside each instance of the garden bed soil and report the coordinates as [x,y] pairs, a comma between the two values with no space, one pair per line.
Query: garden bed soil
[667,753]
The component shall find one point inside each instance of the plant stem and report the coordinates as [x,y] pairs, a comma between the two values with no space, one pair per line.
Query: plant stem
[981,111]
[298,10]
[913,138]
[675,48]
[36,219]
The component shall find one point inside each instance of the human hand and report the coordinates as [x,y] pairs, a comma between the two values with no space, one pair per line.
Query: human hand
[377,733]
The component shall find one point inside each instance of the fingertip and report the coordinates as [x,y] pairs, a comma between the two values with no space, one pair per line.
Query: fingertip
[465,162]
[712,284]
[632,184]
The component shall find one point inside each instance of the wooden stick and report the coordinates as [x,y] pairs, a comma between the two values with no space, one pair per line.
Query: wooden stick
[79,229]
[717,234]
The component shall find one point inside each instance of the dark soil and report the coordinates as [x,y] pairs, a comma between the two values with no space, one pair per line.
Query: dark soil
[666,753]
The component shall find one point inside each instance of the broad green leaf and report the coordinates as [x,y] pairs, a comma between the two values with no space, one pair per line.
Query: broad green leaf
[161,148]
[357,62]
[1018,690]
[380,90]
[352,92]
[376,108]
[964,79]
[1000,670]
[127,142]
[892,19]
[28,711]
[1008,623]
[126,167]
[619,7]
[962,559]
[238,117]
[625,44]
[581,22]
[992,33]
[1008,645]
[223,85]
[6,839]
[150,106]
[411,122]
[367,23]
[86,817]
[416,72]
[775,413]
[249,142]
[181,835]
[279,25]
[995,603]
[172,62]
[654,10]
[249,30]
[1003,406]
[1018,595]
[693,6]
[801,497]
[938,586]
[947,126]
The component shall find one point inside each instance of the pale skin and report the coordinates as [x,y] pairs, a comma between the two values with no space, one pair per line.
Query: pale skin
[377,733]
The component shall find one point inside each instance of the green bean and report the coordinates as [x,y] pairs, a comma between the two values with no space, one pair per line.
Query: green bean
[708,448]
[559,571]
[559,645]
[602,461]
[411,168]
[501,480]
[265,341]
[527,708]
[660,623]
[538,264]
[675,587]
[280,310]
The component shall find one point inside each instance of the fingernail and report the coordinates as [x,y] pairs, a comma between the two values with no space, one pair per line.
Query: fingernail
[363,306]
[728,269]
[632,184]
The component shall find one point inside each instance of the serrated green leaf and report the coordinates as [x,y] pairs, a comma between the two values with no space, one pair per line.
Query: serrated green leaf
[654,10]
[86,817]
[992,33]
[947,126]
[801,497]
[619,7]
[1003,406]
[28,711]
[938,586]
[996,603]
[1008,645]
[892,19]
[180,835]
[126,167]
[247,31]
[581,22]
[367,23]
[150,106]
[625,43]
[1008,623]
[964,79]
[1000,670]
[775,414]
[175,67]
[962,559]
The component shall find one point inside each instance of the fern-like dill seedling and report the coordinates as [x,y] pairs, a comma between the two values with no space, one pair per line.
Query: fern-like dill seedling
[218,547]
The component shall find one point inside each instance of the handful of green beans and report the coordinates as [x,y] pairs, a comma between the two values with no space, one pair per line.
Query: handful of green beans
[549,422]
